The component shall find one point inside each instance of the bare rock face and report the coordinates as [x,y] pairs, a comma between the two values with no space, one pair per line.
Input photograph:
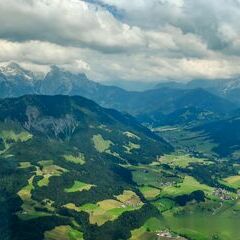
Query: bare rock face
[59,128]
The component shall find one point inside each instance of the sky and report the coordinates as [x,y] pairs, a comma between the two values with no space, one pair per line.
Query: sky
[134,40]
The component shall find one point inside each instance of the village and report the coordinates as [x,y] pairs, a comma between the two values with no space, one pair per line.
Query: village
[167,235]
[225,195]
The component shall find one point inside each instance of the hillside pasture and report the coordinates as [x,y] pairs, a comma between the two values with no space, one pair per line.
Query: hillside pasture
[79,187]
[109,209]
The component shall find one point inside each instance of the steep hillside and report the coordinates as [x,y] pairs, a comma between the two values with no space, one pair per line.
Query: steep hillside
[225,134]
[57,153]
[184,107]
[183,116]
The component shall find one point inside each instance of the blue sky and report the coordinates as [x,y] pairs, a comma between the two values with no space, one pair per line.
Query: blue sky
[140,40]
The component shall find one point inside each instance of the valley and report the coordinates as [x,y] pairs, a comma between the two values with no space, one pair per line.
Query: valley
[123,182]
[119,120]
[73,170]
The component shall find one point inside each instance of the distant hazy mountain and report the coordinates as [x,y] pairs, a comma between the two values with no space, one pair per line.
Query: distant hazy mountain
[227,88]
[131,85]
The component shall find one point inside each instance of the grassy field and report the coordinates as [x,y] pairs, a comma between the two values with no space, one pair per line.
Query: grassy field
[48,170]
[188,185]
[109,209]
[78,187]
[63,233]
[191,222]
[25,165]
[150,193]
[233,181]
[132,135]
[13,136]
[164,204]
[147,231]
[151,229]
[9,137]
[131,146]
[180,160]
[78,159]
[184,139]
[28,207]
[152,175]
[101,144]
[195,222]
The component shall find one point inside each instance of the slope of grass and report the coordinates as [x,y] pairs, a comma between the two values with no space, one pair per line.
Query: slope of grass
[25,165]
[131,146]
[188,185]
[149,193]
[202,222]
[109,209]
[28,206]
[101,144]
[180,160]
[47,171]
[164,204]
[78,187]
[148,231]
[233,181]
[13,136]
[63,233]
[78,159]
[132,135]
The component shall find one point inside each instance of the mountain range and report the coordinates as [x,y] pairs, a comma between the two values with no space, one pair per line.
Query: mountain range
[165,101]
[226,88]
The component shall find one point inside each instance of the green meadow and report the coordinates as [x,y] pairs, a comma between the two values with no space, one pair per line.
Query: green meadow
[101,144]
[187,186]
[181,160]
[78,187]
[109,209]
[63,233]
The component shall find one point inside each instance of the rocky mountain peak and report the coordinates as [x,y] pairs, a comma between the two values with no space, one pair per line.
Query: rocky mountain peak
[14,70]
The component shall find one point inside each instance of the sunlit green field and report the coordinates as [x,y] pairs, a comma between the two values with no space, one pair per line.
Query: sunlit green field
[101,144]
[149,192]
[109,209]
[193,222]
[78,187]
[78,159]
[233,181]
[63,233]
[200,225]
[181,160]
[188,185]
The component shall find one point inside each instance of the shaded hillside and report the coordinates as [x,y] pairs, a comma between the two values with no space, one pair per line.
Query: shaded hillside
[225,88]
[184,116]
[184,107]
[225,133]
[60,150]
